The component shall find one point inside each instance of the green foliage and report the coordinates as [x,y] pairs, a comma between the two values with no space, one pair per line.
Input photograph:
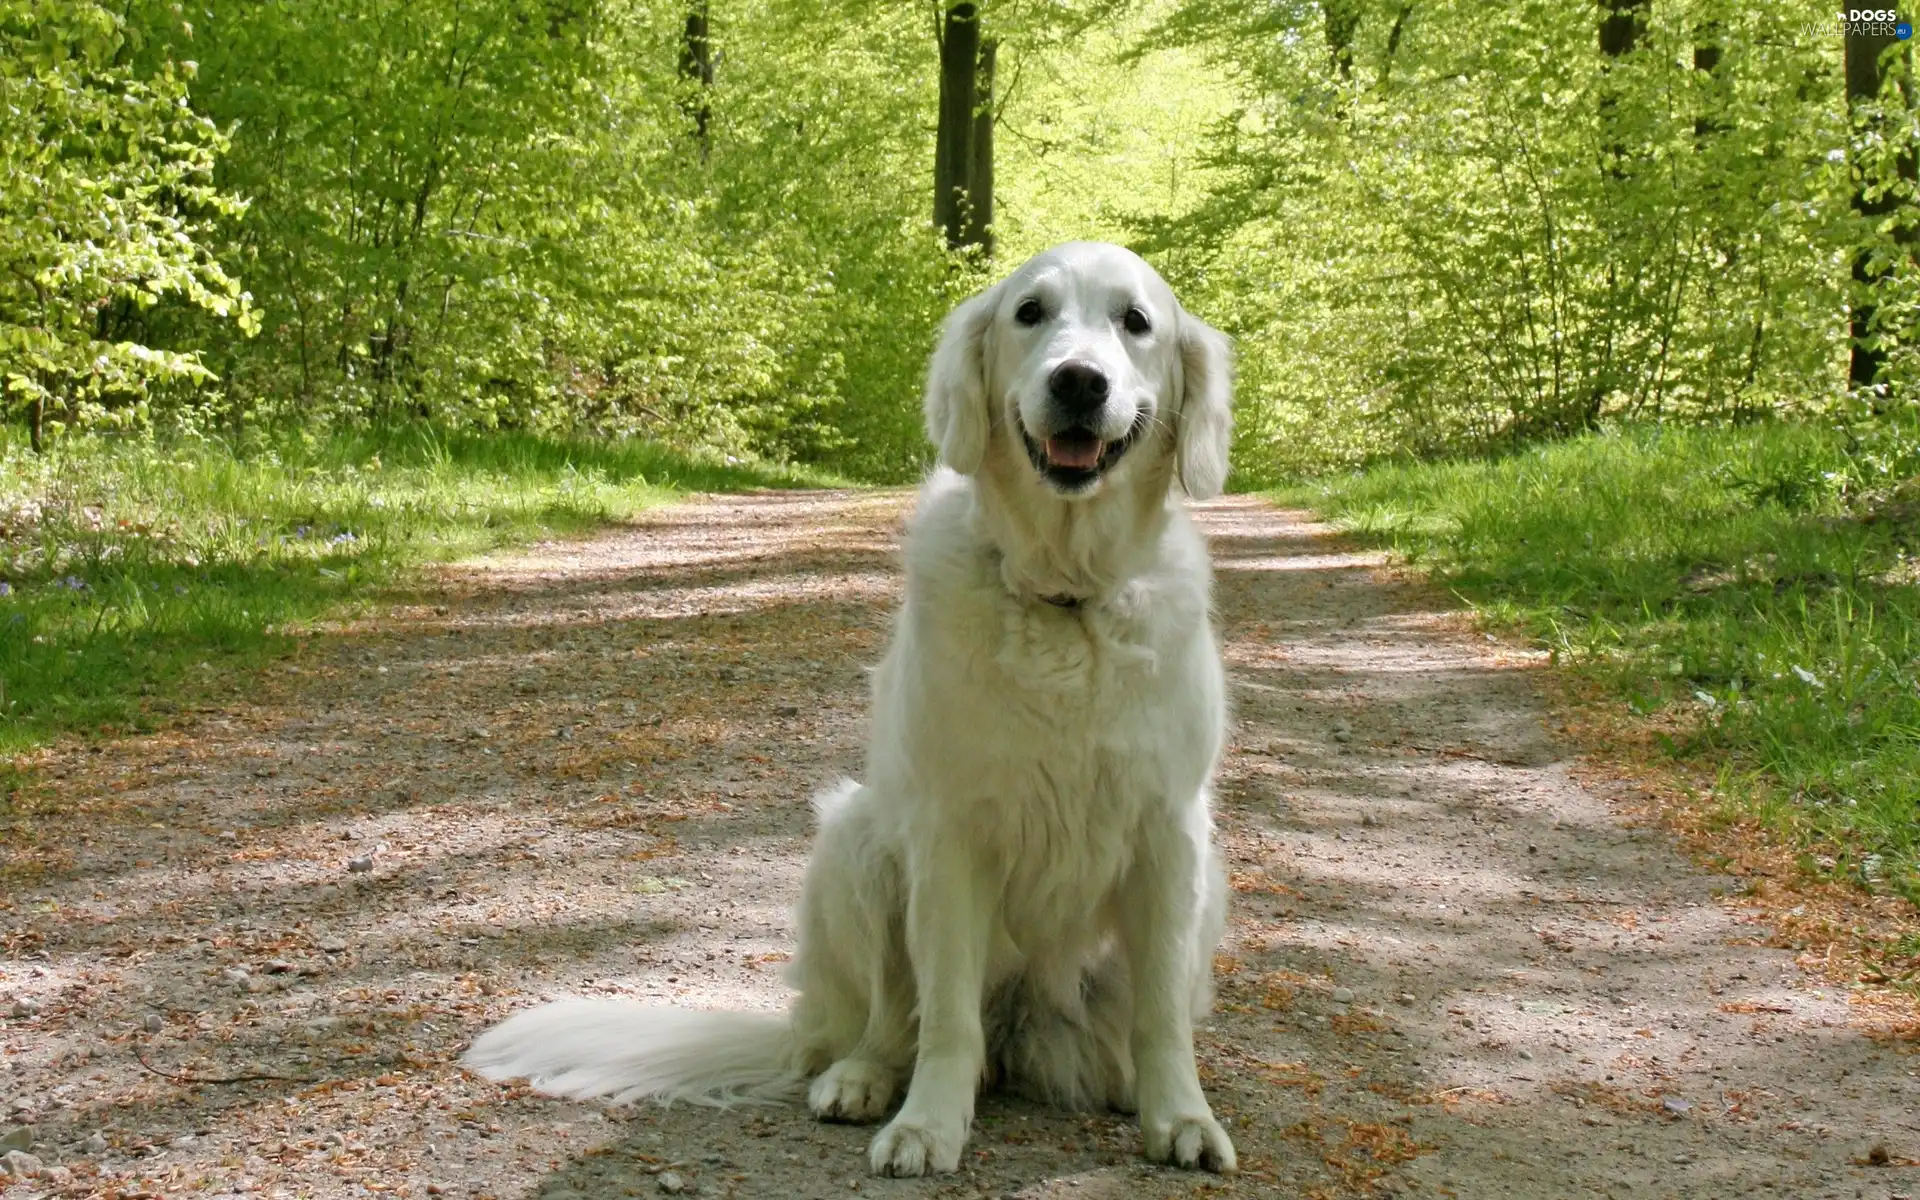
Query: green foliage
[1884,168]
[510,224]
[128,567]
[1433,227]
[107,206]
[420,174]
[1759,585]
[1450,225]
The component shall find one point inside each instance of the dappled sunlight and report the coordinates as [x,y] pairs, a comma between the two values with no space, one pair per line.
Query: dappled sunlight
[591,779]
[740,529]
[1297,562]
[764,586]
[1429,899]
[558,774]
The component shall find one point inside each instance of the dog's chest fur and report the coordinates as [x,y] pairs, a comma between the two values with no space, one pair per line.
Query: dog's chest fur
[1050,739]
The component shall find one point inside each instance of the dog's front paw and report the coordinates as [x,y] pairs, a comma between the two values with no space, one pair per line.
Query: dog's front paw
[854,1090]
[908,1147]
[1191,1141]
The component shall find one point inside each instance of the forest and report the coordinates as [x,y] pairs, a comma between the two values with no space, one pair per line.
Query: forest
[1432,227]
[1613,309]
[453,455]
[298,294]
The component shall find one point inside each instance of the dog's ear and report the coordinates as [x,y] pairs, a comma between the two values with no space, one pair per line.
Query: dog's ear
[1204,431]
[958,417]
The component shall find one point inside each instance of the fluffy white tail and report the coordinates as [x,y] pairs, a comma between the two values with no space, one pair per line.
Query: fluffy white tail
[625,1051]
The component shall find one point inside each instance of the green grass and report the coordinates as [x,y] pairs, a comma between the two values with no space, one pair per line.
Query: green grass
[133,570]
[1757,586]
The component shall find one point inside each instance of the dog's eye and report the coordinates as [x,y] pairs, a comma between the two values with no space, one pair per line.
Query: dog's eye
[1136,322]
[1029,312]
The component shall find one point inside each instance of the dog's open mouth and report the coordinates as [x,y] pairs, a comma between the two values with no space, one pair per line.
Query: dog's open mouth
[1074,457]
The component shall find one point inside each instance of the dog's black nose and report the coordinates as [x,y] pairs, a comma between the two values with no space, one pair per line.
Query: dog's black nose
[1077,387]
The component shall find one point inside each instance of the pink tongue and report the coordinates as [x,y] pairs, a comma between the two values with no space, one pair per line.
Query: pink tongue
[1081,453]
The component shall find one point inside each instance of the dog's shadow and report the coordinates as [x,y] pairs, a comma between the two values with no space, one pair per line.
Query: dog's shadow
[1018,1149]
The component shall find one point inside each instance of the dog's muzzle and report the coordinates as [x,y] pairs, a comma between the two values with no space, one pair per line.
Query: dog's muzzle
[1075,457]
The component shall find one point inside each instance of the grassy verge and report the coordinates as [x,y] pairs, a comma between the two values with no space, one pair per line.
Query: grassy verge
[1753,591]
[129,568]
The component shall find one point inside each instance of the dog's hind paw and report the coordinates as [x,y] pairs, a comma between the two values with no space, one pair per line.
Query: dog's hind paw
[904,1149]
[1191,1142]
[853,1090]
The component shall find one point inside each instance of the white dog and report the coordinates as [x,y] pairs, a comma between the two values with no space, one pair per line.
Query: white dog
[1025,890]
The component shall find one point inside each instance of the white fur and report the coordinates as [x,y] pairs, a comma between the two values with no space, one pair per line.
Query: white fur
[1025,890]
[625,1051]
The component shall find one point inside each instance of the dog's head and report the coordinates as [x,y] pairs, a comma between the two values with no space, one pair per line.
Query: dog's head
[1078,364]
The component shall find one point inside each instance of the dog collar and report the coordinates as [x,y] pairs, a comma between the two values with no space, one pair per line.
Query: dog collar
[1066,600]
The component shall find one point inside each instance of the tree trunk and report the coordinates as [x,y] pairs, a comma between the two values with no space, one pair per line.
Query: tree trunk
[1706,57]
[953,138]
[1621,24]
[979,226]
[1393,42]
[1863,49]
[36,425]
[1343,22]
[696,67]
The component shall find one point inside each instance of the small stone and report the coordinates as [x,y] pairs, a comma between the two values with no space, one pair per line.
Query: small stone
[1369,820]
[237,974]
[18,1138]
[1526,1054]
[672,1184]
[182,1142]
[154,1023]
[1675,1106]
[1683,1158]
[434,1189]
[96,1143]
[333,945]
[1342,995]
[278,966]
[1406,997]
[334,1138]
[361,864]
[25,1007]
[228,835]
[21,1165]
[787,710]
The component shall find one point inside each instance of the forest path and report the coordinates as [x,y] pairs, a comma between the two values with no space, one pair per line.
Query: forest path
[584,767]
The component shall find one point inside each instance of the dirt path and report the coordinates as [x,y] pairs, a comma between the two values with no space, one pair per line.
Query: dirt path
[1452,969]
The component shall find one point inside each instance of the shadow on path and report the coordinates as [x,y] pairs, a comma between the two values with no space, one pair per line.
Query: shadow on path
[584,767]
